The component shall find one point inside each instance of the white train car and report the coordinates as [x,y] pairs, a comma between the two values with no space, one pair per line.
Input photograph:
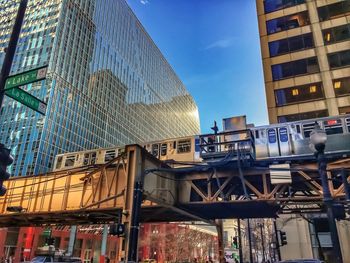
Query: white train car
[183,149]
[270,141]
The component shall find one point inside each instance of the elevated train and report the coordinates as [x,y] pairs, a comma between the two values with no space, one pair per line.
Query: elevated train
[269,142]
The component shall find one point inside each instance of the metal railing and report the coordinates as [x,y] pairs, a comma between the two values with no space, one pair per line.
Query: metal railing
[236,144]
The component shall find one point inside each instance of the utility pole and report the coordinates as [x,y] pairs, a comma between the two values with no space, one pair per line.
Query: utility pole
[11,49]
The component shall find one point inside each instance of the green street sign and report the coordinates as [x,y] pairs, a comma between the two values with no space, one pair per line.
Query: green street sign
[26,77]
[27,99]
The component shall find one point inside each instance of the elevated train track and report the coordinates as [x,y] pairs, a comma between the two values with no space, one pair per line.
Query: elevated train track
[137,187]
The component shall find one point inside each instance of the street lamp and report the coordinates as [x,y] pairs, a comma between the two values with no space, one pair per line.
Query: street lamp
[318,138]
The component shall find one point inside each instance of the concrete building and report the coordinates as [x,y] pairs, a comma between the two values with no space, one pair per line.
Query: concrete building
[305,46]
[108,84]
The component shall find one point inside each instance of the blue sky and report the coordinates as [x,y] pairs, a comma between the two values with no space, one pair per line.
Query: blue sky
[213,46]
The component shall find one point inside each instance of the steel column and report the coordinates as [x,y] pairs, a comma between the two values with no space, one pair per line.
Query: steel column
[328,200]
[240,241]
[11,49]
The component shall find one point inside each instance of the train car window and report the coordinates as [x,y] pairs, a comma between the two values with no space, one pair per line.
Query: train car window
[59,162]
[307,129]
[174,144]
[69,161]
[93,158]
[257,134]
[298,128]
[121,151]
[110,155]
[155,150]
[348,123]
[333,126]
[184,146]
[163,149]
[86,159]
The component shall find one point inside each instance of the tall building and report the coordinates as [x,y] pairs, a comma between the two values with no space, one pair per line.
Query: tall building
[305,46]
[108,83]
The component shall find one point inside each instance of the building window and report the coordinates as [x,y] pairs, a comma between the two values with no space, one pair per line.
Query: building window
[344,110]
[303,116]
[295,68]
[341,86]
[291,44]
[339,59]
[274,5]
[287,22]
[299,94]
[336,34]
[334,10]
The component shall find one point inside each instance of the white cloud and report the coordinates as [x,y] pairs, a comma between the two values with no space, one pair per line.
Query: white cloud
[144,2]
[222,43]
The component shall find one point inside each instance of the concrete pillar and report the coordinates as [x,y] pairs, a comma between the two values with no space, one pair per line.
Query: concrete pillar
[104,244]
[72,236]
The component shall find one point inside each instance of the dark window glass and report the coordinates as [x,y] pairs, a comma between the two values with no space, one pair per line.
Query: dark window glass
[339,59]
[336,34]
[303,116]
[333,10]
[299,94]
[344,110]
[295,68]
[290,44]
[287,22]
[341,86]
[274,5]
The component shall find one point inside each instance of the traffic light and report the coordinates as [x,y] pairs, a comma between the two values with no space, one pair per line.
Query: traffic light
[5,160]
[117,230]
[235,242]
[50,241]
[283,237]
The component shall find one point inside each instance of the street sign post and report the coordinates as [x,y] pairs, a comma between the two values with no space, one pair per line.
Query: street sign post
[27,99]
[26,77]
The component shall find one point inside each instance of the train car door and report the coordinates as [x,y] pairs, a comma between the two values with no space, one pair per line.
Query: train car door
[278,141]
[272,142]
[284,144]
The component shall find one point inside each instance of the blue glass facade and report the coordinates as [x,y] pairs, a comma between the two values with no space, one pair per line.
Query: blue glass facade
[108,84]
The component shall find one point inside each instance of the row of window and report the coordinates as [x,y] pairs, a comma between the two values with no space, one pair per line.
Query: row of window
[301,42]
[274,5]
[309,65]
[336,34]
[299,94]
[302,18]
[310,92]
[287,22]
[331,11]
[295,68]
[291,44]
[303,116]
[313,115]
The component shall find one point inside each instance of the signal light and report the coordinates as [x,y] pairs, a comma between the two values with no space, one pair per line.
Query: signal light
[5,160]
[283,237]
[117,230]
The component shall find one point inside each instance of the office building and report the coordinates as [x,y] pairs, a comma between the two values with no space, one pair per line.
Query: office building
[107,84]
[305,46]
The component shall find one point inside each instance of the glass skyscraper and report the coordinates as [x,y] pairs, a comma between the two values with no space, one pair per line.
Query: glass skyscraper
[107,84]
